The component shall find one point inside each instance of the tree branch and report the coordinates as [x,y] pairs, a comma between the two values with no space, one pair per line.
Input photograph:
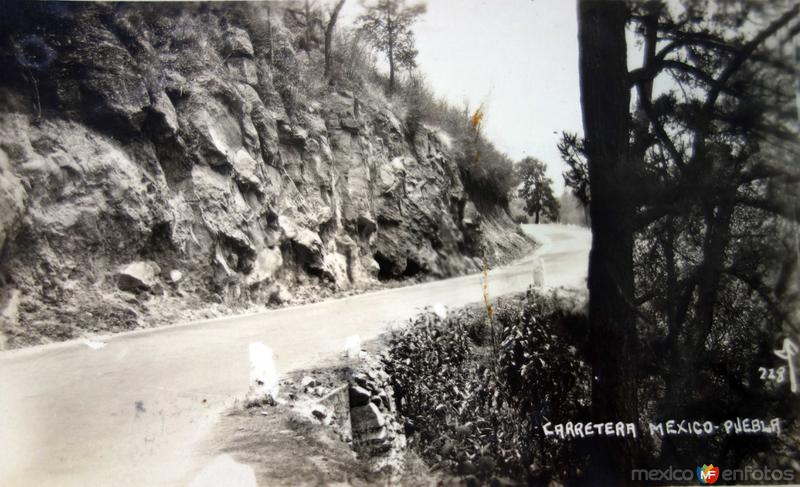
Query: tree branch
[770,206]
[645,86]
[745,53]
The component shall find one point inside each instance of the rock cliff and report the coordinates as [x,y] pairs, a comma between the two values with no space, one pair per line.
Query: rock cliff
[161,158]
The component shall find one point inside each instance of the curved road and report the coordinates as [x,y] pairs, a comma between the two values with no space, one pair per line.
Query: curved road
[131,413]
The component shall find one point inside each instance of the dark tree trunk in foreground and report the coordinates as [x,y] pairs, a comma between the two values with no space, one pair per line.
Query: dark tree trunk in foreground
[605,100]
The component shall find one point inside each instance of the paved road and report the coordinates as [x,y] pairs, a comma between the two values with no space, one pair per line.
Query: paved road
[131,412]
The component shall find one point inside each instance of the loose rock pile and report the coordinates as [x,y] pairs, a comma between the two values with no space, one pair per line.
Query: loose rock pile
[377,434]
[358,403]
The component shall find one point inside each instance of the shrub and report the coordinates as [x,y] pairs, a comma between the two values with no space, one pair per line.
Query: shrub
[478,411]
[542,374]
[487,173]
[354,63]
[420,101]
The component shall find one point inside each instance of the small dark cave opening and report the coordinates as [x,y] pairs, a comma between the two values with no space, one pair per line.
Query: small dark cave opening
[412,268]
[388,269]
[385,266]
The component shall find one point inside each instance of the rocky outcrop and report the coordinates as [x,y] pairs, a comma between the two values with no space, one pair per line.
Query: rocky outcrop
[170,138]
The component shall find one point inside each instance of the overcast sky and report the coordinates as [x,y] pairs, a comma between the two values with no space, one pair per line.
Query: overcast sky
[517,57]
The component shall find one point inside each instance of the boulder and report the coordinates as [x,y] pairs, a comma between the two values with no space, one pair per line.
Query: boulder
[175,276]
[320,412]
[360,379]
[138,276]
[358,396]
[366,418]
[266,264]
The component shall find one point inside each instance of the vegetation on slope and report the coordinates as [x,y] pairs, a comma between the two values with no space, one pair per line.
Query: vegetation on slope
[476,391]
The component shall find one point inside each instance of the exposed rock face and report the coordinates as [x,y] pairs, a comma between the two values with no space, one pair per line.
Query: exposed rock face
[165,138]
[12,198]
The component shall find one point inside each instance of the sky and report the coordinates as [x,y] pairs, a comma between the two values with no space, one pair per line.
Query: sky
[519,58]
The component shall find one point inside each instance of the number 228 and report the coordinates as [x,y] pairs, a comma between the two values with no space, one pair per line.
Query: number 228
[776,375]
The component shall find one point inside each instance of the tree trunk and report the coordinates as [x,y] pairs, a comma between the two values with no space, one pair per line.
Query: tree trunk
[269,34]
[391,51]
[683,382]
[329,36]
[715,242]
[308,26]
[537,218]
[605,100]
[391,70]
